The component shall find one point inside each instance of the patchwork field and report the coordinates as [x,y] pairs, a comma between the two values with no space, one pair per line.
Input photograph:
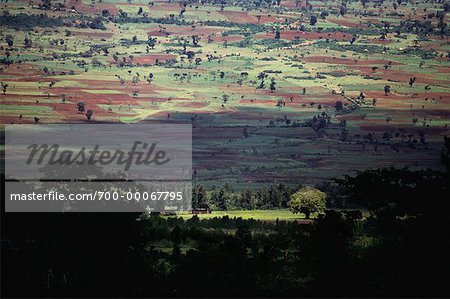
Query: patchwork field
[293,92]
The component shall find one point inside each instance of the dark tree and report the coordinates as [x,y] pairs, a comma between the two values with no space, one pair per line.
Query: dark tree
[9,40]
[80,107]
[4,87]
[273,85]
[277,34]
[324,14]
[45,4]
[89,114]
[199,197]
[27,43]
[151,42]
[195,40]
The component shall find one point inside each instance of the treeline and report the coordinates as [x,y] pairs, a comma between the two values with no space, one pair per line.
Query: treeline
[276,196]
[29,21]
[24,21]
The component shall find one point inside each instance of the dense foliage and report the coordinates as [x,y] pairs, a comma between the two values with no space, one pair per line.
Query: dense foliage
[341,254]
[226,198]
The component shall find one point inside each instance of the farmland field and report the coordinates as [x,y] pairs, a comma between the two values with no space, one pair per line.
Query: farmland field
[271,94]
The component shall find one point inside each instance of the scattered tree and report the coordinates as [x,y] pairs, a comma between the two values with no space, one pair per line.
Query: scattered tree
[339,106]
[27,43]
[9,40]
[273,85]
[80,107]
[277,34]
[89,114]
[4,87]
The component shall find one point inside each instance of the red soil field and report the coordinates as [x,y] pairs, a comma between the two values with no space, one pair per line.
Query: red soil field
[157,33]
[199,30]
[164,6]
[151,58]
[229,38]
[239,17]
[391,74]
[25,72]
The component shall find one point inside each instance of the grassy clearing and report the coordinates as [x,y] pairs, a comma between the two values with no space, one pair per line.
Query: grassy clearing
[266,215]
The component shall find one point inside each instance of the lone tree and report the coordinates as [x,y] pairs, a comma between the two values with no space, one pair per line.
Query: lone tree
[307,200]
[150,78]
[89,114]
[9,40]
[324,14]
[273,85]
[80,107]
[313,20]
[4,87]
[27,43]
[277,34]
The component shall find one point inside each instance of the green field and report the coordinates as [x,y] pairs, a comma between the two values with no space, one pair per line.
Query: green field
[264,215]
